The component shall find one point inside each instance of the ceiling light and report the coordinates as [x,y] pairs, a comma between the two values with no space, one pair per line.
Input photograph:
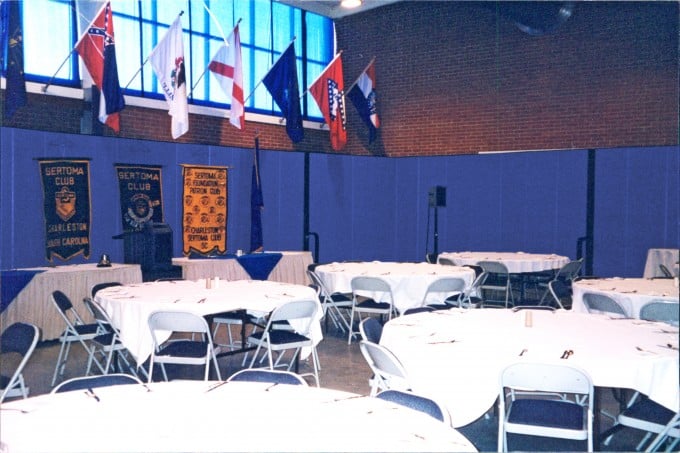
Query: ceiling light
[350,3]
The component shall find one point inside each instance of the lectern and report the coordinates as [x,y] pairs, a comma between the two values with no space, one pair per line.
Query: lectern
[151,248]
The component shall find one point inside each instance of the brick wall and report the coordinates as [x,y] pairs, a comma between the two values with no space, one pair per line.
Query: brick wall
[460,78]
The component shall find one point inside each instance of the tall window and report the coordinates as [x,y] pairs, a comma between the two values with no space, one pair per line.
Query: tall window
[52,27]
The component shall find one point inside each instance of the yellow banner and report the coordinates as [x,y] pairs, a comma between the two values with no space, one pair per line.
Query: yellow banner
[204,210]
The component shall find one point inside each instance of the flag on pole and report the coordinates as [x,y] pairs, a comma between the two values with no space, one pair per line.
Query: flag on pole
[13,50]
[227,68]
[167,60]
[362,95]
[97,49]
[282,83]
[328,92]
[256,203]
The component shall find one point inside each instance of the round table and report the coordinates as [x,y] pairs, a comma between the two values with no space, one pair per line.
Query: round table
[455,356]
[408,281]
[516,262]
[631,293]
[204,416]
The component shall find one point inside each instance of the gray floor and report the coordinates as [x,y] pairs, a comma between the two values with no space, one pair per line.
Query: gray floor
[343,368]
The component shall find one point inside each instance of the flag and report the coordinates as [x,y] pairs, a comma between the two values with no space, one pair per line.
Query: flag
[256,203]
[362,95]
[167,59]
[97,49]
[227,68]
[13,50]
[282,83]
[328,92]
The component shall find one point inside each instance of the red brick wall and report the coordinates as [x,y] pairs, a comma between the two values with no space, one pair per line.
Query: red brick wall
[459,78]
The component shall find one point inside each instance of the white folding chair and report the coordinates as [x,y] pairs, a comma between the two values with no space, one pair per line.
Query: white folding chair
[18,339]
[661,310]
[532,402]
[300,315]
[369,305]
[450,290]
[90,382]
[601,303]
[388,372]
[181,351]
[498,280]
[332,303]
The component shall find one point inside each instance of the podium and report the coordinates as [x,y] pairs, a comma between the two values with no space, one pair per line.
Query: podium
[151,248]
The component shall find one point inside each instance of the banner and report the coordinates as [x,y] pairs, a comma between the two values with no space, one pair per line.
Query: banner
[66,189]
[141,195]
[204,213]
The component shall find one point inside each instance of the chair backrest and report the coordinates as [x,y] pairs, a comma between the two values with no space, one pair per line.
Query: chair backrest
[598,303]
[99,286]
[570,270]
[88,382]
[99,314]
[661,310]
[478,269]
[18,338]
[66,309]
[384,363]
[323,291]
[445,285]
[177,321]
[416,402]
[561,292]
[546,377]
[445,261]
[271,376]
[303,311]
[494,267]
[414,310]
[371,329]
[364,283]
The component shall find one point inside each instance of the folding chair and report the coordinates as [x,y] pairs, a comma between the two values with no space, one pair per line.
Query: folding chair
[451,287]
[271,376]
[532,401]
[76,331]
[181,351]
[89,382]
[601,303]
[416,402]
[661,310]
[18,339]
[371,330]
[300,314]
[561,293]
[369,305]
[498,280]
[388,372]
[332,303]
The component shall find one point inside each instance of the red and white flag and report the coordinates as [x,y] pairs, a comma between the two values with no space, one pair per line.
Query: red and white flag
[97,49]
[227,68]
[167,60]
[329,93]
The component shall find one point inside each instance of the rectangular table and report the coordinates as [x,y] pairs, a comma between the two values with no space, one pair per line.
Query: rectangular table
[290,268]
[32,304]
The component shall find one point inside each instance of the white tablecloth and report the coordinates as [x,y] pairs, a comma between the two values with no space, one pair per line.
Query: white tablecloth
[667,257]
[33,303]
[292,268]
[456,356]
[517,262]
[183,416]
[632,293]
[408,281]
[130,306]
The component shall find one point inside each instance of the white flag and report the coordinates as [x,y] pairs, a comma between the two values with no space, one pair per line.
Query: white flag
[167,59]
[227,68]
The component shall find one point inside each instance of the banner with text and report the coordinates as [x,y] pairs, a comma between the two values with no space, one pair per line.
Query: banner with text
[204,211]
[66,191]
[141,195]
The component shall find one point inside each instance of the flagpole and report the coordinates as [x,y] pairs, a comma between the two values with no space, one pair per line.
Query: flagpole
[270,68]
[225,43]
[319,76]
[49,82]
[357,80]
[145,61]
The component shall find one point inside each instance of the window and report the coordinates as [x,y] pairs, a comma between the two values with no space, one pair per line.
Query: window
[266,29]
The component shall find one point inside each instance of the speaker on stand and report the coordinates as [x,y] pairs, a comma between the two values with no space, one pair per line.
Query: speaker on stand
[436,199]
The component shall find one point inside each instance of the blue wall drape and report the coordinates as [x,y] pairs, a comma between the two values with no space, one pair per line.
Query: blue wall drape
[370,208]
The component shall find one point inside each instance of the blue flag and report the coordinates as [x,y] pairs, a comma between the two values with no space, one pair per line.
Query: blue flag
[256,203]
[13,53]
[282,83]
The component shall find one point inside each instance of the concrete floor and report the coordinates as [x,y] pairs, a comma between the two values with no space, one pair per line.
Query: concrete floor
[343,368]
